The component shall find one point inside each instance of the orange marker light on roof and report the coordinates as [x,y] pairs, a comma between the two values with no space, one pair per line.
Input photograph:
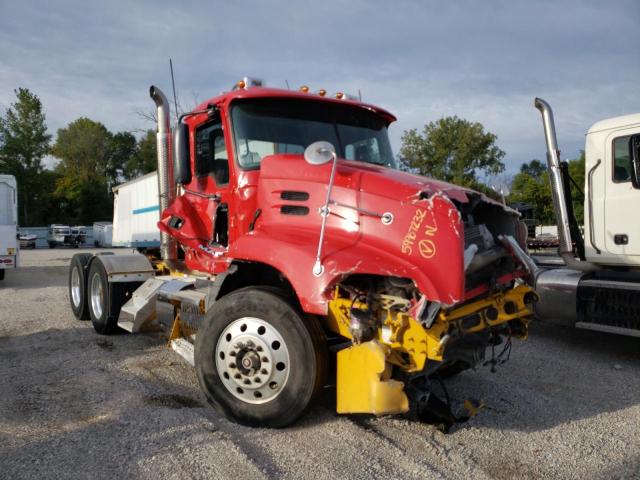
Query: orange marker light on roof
[241,84]
[322,92]
[339,95]
[304,89]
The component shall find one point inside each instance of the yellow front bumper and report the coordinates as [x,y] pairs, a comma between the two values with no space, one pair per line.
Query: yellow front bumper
[364,383]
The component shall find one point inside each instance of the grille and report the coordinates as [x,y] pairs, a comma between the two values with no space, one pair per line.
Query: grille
[293,210]
[607,306]
[478,234]
[294,195]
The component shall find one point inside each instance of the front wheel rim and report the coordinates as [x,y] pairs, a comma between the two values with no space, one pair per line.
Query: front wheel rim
[97,295]
[252,360]
[75,287]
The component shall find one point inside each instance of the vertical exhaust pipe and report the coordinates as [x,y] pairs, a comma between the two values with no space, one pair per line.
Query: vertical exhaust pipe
[166,192]
[557,190]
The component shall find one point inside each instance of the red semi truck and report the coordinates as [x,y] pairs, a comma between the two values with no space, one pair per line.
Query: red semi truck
[294,254]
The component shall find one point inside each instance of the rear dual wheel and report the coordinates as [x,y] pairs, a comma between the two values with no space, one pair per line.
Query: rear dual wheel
[258,360]
[104,299]
[78,285]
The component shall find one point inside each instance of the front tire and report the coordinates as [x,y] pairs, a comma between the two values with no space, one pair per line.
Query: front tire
[1,273]
[78,286]
[257,360]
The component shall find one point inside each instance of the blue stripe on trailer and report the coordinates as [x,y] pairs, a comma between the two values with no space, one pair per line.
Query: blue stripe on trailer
[137,244]
[153,208]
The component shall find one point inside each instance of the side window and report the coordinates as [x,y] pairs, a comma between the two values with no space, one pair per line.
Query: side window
[366,150]
[621,160]
[211,153]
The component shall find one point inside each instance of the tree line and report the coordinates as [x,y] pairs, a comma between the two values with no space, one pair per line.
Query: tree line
[91,160]
[462,152]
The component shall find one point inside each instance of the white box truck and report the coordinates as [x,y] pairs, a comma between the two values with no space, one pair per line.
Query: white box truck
[8,223]
[102,234]
[136,213]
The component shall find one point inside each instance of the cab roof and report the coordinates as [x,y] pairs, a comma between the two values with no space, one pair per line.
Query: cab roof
[266,92]
[623,121]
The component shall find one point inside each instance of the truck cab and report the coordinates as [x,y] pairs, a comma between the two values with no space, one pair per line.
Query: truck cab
[598,287]
[612,233]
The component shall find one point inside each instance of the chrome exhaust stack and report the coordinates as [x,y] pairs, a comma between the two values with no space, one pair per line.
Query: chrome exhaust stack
[557,191]
[166,191]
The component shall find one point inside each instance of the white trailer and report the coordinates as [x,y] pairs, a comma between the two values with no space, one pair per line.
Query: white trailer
[136,213]
[102,234]
[9,250]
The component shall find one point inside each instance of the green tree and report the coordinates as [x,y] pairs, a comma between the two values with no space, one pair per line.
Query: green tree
[23,144]
[576,171]
[452,149]
[122,149]
[85,150]
[531,185]
[144,160]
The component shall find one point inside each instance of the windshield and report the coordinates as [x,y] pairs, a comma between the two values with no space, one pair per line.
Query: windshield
[267,126]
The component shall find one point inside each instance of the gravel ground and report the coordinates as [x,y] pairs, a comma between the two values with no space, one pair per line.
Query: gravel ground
[74,404]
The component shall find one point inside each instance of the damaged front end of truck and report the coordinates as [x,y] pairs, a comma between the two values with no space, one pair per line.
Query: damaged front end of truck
[449,292]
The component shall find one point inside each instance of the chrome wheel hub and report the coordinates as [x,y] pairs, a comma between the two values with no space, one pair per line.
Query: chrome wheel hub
[75,287]
[97,296]
[252,360]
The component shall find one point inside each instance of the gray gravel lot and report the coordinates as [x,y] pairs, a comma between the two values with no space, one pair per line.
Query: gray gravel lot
[74,404]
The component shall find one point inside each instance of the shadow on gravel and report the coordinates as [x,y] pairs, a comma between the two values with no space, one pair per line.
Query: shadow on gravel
[35,277]
[558,375]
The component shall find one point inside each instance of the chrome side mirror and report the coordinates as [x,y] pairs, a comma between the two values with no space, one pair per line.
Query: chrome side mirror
[180,150]
[319,153]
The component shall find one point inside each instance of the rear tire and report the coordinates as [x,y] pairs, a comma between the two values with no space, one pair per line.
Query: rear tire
[78,285]
[257,360]
[104,299]
[51,244]
[1,273]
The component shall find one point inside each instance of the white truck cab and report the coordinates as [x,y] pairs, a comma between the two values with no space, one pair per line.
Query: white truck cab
[598,287]
[612,203]
[9,245]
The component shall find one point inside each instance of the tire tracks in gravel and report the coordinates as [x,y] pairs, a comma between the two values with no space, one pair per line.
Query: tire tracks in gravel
[420,442]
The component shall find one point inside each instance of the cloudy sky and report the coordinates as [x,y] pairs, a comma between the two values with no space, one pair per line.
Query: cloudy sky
[480,60]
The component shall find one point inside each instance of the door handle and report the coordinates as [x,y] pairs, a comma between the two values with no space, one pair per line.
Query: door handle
[621,239]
